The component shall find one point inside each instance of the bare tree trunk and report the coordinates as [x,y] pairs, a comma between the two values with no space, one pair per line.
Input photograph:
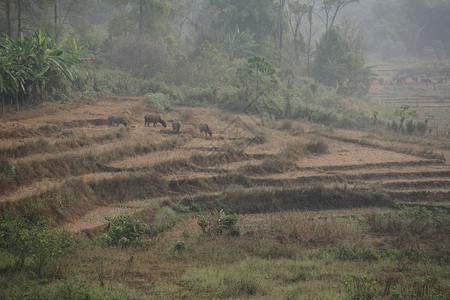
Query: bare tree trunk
[56,19]
[3,105]
[141,12]
[8,18]
[17,101]
[308,51]
[280,20]
[141,30]
[59,11]
[19,17]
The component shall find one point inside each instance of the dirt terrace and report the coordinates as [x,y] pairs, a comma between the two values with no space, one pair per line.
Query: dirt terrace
[351,158]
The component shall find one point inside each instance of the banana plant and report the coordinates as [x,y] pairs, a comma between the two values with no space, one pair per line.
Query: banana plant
[29,65]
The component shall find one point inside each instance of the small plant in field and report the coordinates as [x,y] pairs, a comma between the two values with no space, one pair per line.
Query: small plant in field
[360,287]
[179,246]
[219,222]
[124,231]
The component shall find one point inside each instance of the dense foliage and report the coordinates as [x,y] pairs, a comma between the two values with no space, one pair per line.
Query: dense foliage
[36,67]
[23,240]
[338,65]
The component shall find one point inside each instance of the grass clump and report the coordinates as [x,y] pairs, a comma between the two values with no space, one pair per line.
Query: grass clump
[317,147]
[356,251]
[278,163]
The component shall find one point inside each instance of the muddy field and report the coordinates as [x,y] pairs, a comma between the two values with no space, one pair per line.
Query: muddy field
[57,144]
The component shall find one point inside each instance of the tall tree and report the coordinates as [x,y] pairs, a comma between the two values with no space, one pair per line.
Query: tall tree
[137,16]
[340,65]
[256,16]
[281,5]
[331,9]
[296,11]
[310,10]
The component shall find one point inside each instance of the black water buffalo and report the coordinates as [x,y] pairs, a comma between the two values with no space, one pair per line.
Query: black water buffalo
[204,128]
[153,118]
[176,125]
[116,120]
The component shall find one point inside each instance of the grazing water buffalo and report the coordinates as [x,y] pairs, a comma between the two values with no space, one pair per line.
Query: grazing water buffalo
[204,128]
[149,118]
[176,125]
[116,120]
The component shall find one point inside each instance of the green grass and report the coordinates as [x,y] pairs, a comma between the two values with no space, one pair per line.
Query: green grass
[285,257]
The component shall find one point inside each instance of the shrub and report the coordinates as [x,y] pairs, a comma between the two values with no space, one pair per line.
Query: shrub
[393,126]
[410,127]
[123,231]
[23,240]
[219,222]
[157,100]
[407,221]
[421,127]
[179,246]
[317,147]
[165,219]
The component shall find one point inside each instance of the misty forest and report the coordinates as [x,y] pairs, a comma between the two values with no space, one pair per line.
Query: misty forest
[224,149]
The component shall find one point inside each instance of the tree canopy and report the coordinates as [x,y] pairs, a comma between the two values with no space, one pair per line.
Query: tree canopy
[340,65]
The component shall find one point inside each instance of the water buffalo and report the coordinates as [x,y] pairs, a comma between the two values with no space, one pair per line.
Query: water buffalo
[150,118]
[176,125]
[116,120]
[204,128]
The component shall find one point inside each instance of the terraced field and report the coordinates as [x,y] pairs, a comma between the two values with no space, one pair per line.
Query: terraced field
[65,161]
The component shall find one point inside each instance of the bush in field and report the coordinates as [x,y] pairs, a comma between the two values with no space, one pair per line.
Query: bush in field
[421,128]
[165,219]
[219,222]
[158,100]
[393,126]
[36,241]
[317,147]
[410,127]
[409,222]
[123,231]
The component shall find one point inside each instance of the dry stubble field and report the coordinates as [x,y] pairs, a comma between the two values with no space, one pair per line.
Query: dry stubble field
[58,148]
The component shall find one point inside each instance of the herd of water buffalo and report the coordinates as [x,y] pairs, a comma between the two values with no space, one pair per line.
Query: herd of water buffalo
[155,119]
[400,79]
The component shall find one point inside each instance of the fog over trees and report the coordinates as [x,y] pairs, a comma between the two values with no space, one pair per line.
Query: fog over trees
[200,43]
